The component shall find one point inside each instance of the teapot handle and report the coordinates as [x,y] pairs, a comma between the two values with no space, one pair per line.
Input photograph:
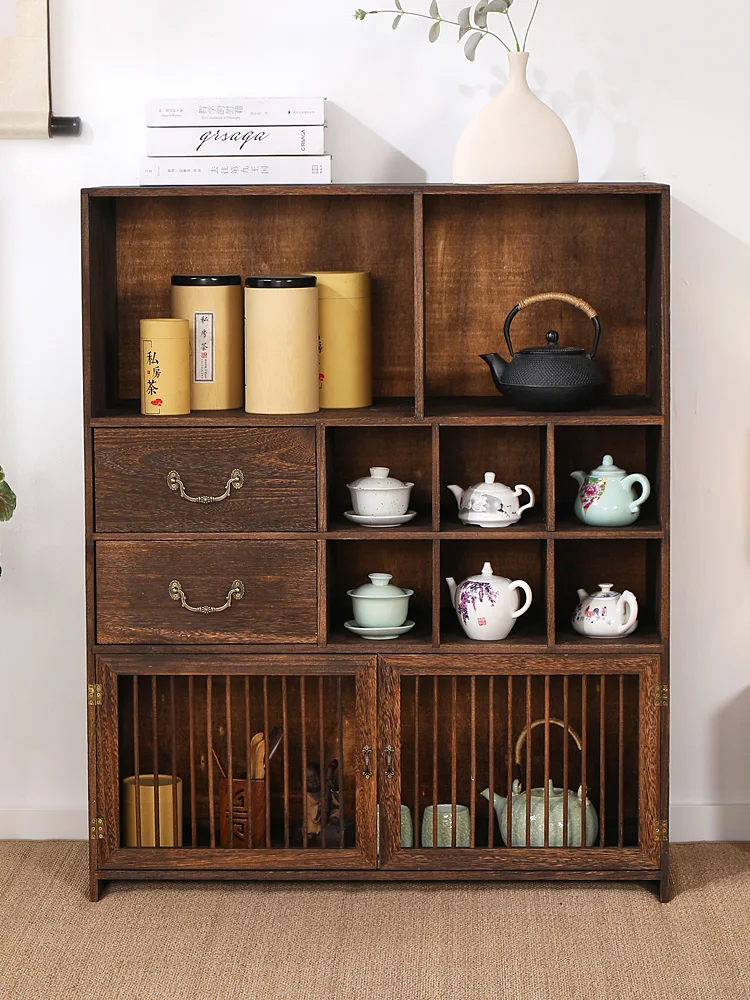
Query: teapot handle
[627,599]
[521,585]
[572,300]
[532,499]
[645,485]
[540,722]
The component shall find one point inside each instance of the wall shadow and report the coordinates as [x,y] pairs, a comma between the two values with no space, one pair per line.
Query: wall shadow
[361,156]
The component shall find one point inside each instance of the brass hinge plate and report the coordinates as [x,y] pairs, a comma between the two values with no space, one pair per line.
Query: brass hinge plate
[95,694]
[662,831]
[96,830]
[662,696]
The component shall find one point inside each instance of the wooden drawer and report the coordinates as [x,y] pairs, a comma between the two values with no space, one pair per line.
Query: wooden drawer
[132,492]
[134,605]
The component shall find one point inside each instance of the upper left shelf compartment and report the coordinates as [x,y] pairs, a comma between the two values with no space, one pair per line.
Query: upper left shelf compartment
[133,244]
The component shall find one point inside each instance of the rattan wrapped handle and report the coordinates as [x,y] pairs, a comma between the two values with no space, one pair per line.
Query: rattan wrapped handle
[572,300]
[540,722]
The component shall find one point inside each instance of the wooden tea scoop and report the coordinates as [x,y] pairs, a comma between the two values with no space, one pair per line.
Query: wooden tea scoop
[258,757]
[218,763]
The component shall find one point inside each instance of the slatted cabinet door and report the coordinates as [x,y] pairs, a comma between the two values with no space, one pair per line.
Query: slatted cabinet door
[451,729]
[196,721]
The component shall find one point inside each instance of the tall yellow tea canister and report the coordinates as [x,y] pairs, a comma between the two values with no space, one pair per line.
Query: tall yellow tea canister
[147,811]
[212,305]
[345,359]
[165,367]
[281,344]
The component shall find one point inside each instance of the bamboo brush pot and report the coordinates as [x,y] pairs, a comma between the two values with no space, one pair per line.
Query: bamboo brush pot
[345,339]
[212,305]
[148,817]
[281,345]
[165,367]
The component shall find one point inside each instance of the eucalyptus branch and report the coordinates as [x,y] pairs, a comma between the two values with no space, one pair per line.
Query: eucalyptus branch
[528,26]
[360,15]
[515,36]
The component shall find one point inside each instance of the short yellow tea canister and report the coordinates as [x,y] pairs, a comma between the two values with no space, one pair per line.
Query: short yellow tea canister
[212,304]
[165,367]
[147,811]
[345,357]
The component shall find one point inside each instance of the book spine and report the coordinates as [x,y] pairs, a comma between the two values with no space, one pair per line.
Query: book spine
[236,111]
[174,170]
[281,140]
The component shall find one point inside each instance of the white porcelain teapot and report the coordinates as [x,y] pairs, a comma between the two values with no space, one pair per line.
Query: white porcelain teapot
[488,605]
[490,504]
[606,614]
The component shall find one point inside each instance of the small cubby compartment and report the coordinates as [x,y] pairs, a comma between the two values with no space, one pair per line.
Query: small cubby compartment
[519,559]
[633,448]
[352,451]
[514,454]
[134,244]
[410,566]
[484,254]
[627,564]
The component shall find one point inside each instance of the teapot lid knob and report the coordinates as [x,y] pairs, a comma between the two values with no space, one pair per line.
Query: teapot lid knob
[379,472]
[489,477]
[552,338]
[487,569]
[608,460]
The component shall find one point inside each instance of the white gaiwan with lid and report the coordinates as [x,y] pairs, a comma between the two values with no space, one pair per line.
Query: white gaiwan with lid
[379,494]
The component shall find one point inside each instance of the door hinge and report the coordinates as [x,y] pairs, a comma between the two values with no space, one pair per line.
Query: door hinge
[95,694]
[662,696]
[97,828]
[662,831]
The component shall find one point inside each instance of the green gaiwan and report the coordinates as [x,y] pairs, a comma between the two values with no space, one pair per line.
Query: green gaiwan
[380,604]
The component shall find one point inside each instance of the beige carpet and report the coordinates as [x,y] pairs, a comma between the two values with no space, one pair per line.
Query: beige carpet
[242,941]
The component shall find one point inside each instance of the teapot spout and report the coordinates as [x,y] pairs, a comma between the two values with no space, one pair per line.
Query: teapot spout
[452,588]
[499,803]
[497,366]
[457,493]
[579,477]
[582,595]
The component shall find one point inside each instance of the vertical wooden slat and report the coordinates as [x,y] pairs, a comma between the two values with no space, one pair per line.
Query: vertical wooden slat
[549,496]
[491,759]
[191,748]
[473,781]
[435,761]
[529,735]
[546,760]
[285,724]
[155,723]
[340,728]
[415,819]
[509,801]
[453,760]
[436,483]
[248,769]
[210,760]
[322,739]
[267,775]
[173,752]
[584,787]
[620,762]
[322,587]
[602,760]
[566,761]
[137,763]
[436,585]
[230,762]
[303,738]
[419,333]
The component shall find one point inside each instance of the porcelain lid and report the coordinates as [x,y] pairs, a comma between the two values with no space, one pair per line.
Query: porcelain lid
[607,468]
[380,587]
[605,590]
[485,576]
[378,480]
[490,486]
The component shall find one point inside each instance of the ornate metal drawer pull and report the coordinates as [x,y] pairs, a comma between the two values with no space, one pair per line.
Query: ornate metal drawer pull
[236,592]
[367,753]
[389,752]
[236,480]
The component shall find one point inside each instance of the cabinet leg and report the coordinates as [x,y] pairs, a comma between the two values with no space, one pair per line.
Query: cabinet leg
[94,888]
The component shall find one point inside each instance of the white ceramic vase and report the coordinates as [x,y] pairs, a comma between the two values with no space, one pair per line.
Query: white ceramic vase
[515,139]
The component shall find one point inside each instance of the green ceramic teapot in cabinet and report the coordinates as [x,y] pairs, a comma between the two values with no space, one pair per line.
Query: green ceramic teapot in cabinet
[519,800]
[606,497]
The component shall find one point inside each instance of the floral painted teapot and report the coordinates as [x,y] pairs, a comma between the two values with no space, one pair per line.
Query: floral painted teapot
[606,497]
[606,614]
[519,801]
[490,504]
[487,605]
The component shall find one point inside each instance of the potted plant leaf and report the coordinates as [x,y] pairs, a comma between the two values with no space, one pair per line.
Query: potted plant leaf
[7,500]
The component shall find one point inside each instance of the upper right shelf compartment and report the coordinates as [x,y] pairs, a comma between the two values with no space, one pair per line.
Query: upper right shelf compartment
[486,251]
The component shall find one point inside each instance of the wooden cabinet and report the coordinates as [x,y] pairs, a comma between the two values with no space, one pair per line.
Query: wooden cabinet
[219,556]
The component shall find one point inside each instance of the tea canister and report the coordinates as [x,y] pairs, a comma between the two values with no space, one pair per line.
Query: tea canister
[167,796]
[281,344]
[212,305]
[606,497]
[345,361]
[165,367]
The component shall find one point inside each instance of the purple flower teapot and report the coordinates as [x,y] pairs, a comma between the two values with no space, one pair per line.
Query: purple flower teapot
[488,605]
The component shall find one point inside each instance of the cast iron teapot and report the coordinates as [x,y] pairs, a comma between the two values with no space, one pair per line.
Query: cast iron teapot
[550,377]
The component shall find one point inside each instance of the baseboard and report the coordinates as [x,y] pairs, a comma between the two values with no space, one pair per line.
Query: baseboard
[722,821]
[43,824]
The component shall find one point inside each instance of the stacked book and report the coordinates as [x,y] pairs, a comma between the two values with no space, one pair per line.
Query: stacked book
[246,140]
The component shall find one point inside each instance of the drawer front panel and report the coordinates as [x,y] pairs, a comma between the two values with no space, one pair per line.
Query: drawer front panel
[135,604]
[277,466]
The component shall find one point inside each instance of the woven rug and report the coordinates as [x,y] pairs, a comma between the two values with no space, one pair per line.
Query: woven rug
[242,941]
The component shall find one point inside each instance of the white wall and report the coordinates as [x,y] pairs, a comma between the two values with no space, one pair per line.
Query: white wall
[655,92]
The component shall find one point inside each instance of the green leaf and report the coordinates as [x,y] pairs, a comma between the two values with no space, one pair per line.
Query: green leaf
[396,21]
[360,15]
[471,45]
[480,14]
[398,4]
[434,32]
[434,12]
[498,6]
[7,501]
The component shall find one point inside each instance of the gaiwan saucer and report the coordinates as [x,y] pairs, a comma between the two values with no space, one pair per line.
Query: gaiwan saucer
[389,632]
[380,520]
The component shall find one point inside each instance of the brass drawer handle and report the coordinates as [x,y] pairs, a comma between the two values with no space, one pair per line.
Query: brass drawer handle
[367,753]
[389,752]
[236,592]
[236,480]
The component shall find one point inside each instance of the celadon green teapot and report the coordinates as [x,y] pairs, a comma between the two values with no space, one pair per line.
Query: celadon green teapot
[606,497]
[519,800]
